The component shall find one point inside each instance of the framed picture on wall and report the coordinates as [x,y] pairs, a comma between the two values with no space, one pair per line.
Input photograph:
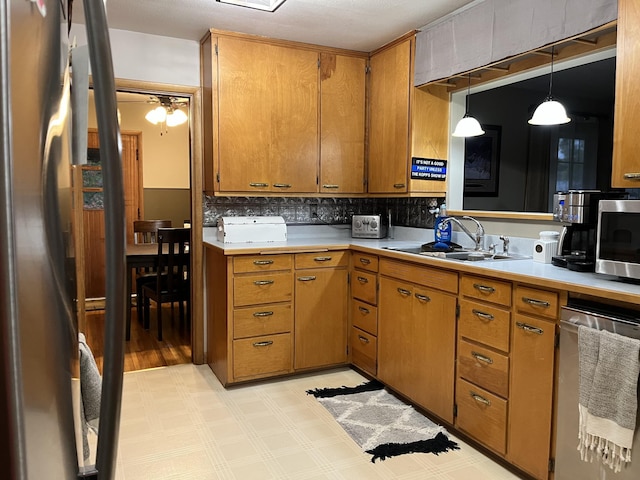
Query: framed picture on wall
[481,162]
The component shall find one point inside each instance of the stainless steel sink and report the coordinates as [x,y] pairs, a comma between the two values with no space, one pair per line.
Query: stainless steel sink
[465,255]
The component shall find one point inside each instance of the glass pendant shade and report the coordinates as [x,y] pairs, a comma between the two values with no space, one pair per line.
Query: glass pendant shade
[468,127]
[157,115]
[549,112]
[177,117]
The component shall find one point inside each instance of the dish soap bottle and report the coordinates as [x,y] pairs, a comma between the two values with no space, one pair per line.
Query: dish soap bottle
[442,233]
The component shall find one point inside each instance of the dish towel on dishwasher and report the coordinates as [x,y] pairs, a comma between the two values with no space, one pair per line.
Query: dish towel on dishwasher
[609,365]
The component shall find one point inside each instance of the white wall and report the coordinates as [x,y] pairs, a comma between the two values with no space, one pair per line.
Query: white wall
[150,58]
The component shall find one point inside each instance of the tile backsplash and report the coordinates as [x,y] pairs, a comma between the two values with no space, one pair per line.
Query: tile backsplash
[405,212]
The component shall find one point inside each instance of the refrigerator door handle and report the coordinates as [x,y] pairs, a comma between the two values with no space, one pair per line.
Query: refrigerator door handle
[115,241]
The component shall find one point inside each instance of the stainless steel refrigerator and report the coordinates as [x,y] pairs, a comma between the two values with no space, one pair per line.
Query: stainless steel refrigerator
[41,409]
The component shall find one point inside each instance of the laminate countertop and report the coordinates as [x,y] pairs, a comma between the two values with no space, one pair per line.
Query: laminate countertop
[326,238]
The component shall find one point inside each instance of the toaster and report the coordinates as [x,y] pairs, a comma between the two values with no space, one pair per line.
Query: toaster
[368,226]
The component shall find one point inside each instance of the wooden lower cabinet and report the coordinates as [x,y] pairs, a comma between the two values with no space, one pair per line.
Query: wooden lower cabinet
[364,350]
[416,344]
[259,356]
[531,397]
[321,317]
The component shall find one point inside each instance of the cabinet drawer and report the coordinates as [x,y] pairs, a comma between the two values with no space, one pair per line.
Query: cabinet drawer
[323,259]
[484,367]
[364,350]
[536,302]
[482,415]
[486,289]
[257,289]
[262,320]
[266,355]
[426,276]
[261,263]
[363,286]
[365,262]
[485,324]
[364,316]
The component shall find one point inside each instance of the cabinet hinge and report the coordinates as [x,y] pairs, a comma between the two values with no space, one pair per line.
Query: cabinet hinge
[137,155]
[552,465]
[216,49]
[218,177]
[317,180]
[455,409]
[367,69]
[318,63]
[348,278]
[457,311]
[347,350]
[556,341]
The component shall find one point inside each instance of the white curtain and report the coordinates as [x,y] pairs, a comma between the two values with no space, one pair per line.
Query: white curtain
[497,29]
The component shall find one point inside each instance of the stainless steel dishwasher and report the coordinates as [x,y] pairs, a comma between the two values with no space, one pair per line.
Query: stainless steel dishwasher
[568,465]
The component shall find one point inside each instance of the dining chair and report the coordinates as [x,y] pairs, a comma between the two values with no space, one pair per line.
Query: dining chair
[146,231]
[172,282]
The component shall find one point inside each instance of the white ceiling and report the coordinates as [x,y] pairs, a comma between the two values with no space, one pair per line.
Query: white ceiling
[362,25]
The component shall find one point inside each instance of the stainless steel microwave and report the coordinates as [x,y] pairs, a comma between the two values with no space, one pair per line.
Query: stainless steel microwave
[618,238]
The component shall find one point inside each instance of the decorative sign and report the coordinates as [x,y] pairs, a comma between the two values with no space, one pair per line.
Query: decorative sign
[428,169]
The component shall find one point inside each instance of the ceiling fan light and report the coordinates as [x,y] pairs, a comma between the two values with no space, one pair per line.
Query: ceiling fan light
[468,127]
[266,5]
[549,112]
[157,115]
[177,117]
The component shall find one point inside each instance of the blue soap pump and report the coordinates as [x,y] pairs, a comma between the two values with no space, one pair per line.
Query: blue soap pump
[442,233]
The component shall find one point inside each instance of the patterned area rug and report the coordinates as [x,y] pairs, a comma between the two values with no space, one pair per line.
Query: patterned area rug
[382,424]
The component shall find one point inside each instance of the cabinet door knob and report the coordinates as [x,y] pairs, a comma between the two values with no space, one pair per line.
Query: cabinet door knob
[363,280]
[631,176]
[282,185]
[365,261]
[262,262]
[322,259]
[480,399]
[422,298]
[262,314]
[363,339]
[482,358]
[403,291]
[364,310]
[263,344]
[263,282]
[258,185]
[398,185]
[330,186]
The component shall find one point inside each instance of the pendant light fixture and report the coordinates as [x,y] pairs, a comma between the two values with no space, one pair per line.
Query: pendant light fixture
[468,126]
[550,111]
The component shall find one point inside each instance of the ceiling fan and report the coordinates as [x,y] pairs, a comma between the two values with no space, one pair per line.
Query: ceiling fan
[168,110]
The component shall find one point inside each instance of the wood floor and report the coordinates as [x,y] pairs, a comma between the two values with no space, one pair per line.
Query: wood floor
[144,350]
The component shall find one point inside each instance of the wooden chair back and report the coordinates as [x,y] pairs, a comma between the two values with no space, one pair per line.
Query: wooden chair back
[146,231]
[175,264]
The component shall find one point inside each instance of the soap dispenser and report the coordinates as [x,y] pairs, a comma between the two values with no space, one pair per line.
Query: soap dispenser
[442,231]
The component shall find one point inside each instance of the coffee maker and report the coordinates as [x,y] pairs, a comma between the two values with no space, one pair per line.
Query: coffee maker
[578,211]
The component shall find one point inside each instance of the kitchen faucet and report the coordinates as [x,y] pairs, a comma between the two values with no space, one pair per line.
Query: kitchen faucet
[477,237]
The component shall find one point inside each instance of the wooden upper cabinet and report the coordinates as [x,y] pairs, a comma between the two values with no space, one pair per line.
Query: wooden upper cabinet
[342,123]
[626,141]
[267,117]
[390,89]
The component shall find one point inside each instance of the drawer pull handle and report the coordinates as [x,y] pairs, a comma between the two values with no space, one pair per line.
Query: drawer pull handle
[330,186]
[263,262]
[482,358]
[536,303]
[480,399]
[263,344]
[262,314]
[404,292]
[529,328]
[282,185]
[258,185]
[365,261]
[363,339]
[308,278]
[321,259]
[422,298]
[263,282]
[398,185]
[631,176]
[364,310]
[483,288]
[363,280]
[482,315]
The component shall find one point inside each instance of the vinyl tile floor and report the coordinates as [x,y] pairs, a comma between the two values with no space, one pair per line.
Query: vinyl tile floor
[178,422]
